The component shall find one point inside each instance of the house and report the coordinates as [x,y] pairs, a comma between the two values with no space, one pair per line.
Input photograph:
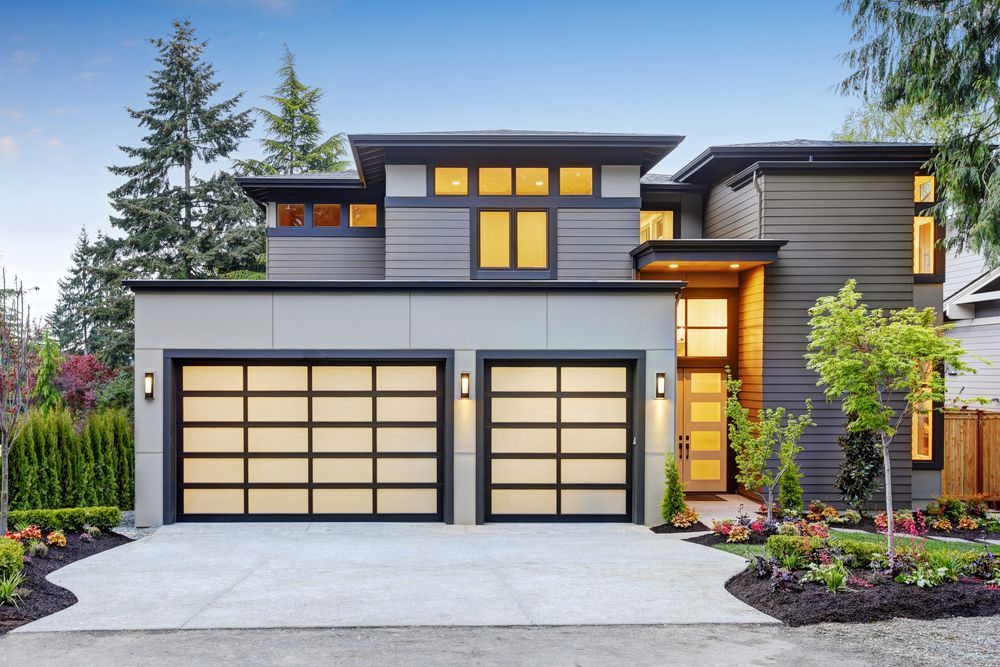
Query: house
[509,326]
[972,307]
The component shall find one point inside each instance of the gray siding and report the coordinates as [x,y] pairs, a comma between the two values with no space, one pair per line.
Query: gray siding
[961,270]
[427,243]
[982,339]
[594,244]
[731,214]
[838,226]
[325,258]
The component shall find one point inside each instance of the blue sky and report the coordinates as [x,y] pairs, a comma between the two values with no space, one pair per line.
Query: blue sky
[717,72]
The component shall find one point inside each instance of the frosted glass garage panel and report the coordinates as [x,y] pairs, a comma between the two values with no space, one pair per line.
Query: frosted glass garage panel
[277,378]
[209,439]
[593,471]
[342,378]
[347,439]
[597,378]
[407,470]
[407,408]
[213,409]
[598,410]
[278,471]
[407,439]
[212,378]
[593,501]
[589,440]
[279,501]
[523,501]
[277,409]
[342,501]
[213,501]
[523,471]
[334,471]
[523,378]
[523,409]
[278,439]
[407,501]
[406,378]
[342,409]
[213,471]
[526,440]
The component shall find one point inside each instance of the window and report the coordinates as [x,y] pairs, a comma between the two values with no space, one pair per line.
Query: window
[923,431]
[532,180]
[291,215]
[702,328]
[513,240]
[326,215]
[451,181]
[656,225]
[364,215]
[495,181]
[923,245]
[923,189]
[576,181]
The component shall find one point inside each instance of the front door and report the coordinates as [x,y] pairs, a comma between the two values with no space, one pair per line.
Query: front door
[701,429]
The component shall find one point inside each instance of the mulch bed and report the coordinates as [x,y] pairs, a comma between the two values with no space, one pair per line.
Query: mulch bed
[45,597]
[712,539]
[668,528]
[814,604]
[868,525]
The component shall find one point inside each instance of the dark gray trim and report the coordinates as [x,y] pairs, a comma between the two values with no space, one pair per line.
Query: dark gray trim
[636,357]
[172,359]
[405,285]
[273,188]
[345,229]
[707,250]
[512,201]
[745,177]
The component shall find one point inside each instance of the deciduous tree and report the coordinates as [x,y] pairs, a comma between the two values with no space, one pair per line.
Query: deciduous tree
[15,391]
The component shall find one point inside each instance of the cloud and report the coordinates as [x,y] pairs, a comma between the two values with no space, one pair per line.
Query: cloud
[87,76]
[8,149]
[18,61]
[53,143]
[11,115]
[91,67]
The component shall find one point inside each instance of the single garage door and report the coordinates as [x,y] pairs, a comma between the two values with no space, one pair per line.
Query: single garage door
[558,441]
[270,440]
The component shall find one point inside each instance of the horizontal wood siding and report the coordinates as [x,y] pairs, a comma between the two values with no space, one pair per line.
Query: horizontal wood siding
[325,258]
[961,269]
[731,214]
[980,338]
[427,243]
[751,339]
[838,226]
[594,244]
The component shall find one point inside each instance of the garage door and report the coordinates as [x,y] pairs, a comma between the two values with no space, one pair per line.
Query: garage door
[558,441]
[269,441]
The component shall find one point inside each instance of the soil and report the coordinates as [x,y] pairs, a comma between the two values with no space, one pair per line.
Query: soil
[712,539]
[868,525]
[668,528]
[814,604]
[41,597]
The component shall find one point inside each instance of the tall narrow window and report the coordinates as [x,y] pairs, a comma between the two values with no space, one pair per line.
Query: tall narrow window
[451,181]
[576,181]
[656,225]
[291,215]
[532,242]
[364,215]
[494,239]
[923,431]
[702,327]
[532,180]
[326,215]
[923,245]
[513,240]
[923,189]
[495,181]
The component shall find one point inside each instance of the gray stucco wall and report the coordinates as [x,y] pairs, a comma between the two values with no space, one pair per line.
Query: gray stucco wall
[731,214]
[462,321]
[594,244]
[838,226]
[427,243]
[325,258]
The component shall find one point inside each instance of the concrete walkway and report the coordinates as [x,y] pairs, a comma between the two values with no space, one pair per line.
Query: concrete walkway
[325,575]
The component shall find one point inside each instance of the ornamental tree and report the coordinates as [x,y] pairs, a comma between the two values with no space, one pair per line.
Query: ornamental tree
[881,367]
[15,388]
[766,447]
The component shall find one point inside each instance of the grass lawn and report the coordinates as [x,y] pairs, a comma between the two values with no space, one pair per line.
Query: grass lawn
[748,550]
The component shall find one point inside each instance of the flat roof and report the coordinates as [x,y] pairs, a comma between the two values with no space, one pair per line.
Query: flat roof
[396,285]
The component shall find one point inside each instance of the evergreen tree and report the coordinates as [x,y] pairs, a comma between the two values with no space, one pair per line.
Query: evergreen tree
[47,453]
[45,393]
[112,337]
[790,497]
[294,142]
[84,480]
[24,477]
[105,461]
[67,455]
[72,321]
[673,493]
[121,429]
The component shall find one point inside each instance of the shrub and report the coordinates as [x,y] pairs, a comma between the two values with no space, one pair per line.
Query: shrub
[906,522]
[722,528]
[11,557]
[57,538]
[790,488]
[968,523]
[685,519]
[923,576]
[816,510]
[782,546]
[833,575]
[72,518]
[10,588]
[738,534]
[80,376]
[93,531]
[957,507]
[118,393]
[859,552]
[673,493]
[37,549]
[942,524]
[851,517]
[861,469]
[985,566]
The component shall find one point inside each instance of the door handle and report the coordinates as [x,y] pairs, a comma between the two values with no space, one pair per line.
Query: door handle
[687,446]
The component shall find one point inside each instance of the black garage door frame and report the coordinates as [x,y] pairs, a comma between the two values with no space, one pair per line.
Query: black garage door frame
[635,361]
[174,359]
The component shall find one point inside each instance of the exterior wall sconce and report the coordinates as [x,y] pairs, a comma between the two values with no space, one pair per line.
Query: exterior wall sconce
[148,385]
[661,385]
[464,384]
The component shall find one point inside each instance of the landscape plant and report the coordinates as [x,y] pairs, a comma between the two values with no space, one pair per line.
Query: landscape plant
[11,556]
[10,588]
[46,393]
[790,496]
[15,391]
[774,434]
[672,503]
[861,469]
[879,367]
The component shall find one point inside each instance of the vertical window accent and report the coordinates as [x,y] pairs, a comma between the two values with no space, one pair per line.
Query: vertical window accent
[923,431]
[656,225]
[494,239]
[532,240]
[923,189]
[495,181]
[702,327]
[576,180]
[291,215]
[451,181]
[923,245]
[532,180]
[326,215]
[364,215]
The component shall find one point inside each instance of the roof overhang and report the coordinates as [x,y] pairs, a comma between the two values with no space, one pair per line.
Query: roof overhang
[705,254]
[263,189]
[404,285]
[739,179]
[646,150]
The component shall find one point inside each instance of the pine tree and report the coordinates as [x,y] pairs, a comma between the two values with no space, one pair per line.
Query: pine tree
[673,493]
[112,337]
[72,321]
[294,142]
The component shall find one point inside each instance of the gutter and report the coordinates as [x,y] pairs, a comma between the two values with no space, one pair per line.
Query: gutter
[760,205]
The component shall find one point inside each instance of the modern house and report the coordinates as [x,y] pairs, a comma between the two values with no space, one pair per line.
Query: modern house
[972,306]
[508,326]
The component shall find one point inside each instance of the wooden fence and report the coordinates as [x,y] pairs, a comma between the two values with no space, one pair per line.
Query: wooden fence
[971,453]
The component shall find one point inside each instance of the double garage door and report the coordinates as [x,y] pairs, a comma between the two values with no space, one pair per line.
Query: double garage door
[279,440]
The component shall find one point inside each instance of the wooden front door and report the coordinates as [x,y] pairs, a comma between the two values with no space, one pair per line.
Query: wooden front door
[701,429]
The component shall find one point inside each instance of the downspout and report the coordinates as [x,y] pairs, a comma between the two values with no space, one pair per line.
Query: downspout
[760,206]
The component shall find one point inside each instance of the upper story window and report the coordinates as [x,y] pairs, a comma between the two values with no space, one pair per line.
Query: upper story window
[452,181]
[923,245]
[575,181]
[702,327]
[364,215]
[656,225]
[531,181]
[923,432]
[330,217]
[291,215]
[513,240]
[923,189]
[326,215]
[495,180]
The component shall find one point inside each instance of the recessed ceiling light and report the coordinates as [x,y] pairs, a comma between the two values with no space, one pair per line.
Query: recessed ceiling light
[673,266]
[734,266]
[456,182]
[539,183]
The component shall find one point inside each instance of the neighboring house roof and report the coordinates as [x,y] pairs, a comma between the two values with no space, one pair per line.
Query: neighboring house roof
[984,288]
[719,162]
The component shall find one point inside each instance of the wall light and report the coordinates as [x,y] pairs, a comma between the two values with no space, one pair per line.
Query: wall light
[148,385]
[464,384]
[661,385]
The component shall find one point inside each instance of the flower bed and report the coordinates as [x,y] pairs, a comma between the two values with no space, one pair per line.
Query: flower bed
[685,521]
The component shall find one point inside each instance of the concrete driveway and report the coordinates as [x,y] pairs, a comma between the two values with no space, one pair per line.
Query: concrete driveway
[365,574]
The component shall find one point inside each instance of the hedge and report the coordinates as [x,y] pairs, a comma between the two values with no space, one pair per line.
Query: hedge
[53,466]
[67,518]
[11,557]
